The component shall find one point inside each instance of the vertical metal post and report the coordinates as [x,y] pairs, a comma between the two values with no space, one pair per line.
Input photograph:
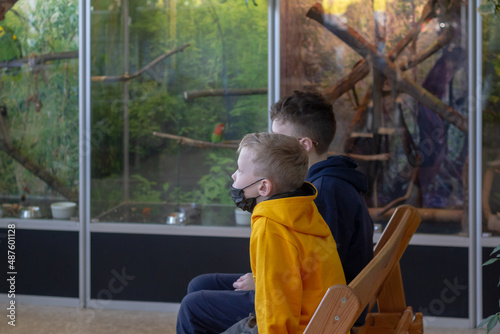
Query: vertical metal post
[273,58]
[479,161]
[475,163]
[84,150]
[126,86]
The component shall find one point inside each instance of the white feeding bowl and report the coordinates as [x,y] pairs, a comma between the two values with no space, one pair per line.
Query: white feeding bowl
[243,218]
[63,210]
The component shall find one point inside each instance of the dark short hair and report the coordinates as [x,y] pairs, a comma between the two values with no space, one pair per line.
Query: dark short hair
[310,114]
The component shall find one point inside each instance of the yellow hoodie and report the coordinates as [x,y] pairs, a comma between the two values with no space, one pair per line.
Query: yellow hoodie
[294,261]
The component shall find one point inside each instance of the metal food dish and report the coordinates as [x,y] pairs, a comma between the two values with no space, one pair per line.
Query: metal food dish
[30,212]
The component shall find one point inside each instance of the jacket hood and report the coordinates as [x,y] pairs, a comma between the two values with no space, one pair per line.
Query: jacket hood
[297,213]
[341,167]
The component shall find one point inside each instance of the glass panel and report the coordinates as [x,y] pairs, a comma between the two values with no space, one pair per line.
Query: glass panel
[491,124]
[39,108]
[396,72]
[491,158]
[161,85]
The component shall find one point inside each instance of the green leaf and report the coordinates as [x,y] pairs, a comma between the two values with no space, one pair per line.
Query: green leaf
[492,323]
[485,321]
[486,9]
[497,248]
[490,261]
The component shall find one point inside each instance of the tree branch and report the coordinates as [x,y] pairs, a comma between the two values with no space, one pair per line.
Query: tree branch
[41,173]
[35,60]
[427,214]
[5,5]
[361,70]
[235,143]
[403,198]
[193,142]
[390,70]
[441,41]
[193,94]
[127,77]
[5,134]
[35,169]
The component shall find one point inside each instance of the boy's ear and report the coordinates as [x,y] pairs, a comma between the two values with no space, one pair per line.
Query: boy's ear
[265,188]
[307,143]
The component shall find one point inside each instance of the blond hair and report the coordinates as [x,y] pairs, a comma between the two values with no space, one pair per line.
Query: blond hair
[279,158]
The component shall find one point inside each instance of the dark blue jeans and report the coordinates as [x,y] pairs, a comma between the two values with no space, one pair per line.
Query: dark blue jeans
[212,306]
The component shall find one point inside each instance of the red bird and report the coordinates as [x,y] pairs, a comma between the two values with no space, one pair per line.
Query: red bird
[218,133]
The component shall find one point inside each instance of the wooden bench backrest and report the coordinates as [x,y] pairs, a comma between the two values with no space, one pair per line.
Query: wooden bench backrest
[380,279]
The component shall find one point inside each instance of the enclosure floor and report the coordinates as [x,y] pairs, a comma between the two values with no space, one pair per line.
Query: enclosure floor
[38,319]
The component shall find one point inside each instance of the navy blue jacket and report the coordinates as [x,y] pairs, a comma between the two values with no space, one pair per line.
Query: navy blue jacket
[344,209]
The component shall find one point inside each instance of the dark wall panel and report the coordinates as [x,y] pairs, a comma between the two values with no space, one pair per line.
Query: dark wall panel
[436,280]
[159,267]
[491,284]
[46,262]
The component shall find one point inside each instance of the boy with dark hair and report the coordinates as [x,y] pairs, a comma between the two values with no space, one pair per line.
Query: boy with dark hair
[309,116]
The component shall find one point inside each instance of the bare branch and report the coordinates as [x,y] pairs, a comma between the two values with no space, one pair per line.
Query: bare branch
[35,60]
[127,77]
[235,143]
[441,41]
[390,70]
[401,199]
[34,168]
[5,134]
[193,94]
[193,142]
[5,5]
[361,70]
[427,214]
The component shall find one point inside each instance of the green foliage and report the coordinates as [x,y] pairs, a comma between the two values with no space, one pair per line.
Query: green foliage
[213,187]
[144,191]
[493,260]
[491,322]
[42,102]
[493,319]
[223,53]
[10,48]
[491,7]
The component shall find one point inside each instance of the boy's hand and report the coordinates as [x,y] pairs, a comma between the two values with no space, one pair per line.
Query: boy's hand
[245,282]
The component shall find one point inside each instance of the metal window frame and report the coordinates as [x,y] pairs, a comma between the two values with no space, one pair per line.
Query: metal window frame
[84,150]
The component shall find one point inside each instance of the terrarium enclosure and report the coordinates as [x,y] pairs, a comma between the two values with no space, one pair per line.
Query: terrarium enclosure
[176,84]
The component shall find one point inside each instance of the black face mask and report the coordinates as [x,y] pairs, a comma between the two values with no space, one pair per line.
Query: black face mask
[245,204]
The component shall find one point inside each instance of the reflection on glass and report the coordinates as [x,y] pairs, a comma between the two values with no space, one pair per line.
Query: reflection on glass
[491,125]
[38,107]
[175,85]
[396,72]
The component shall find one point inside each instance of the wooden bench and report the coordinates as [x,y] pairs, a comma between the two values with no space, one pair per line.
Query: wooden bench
[379,282]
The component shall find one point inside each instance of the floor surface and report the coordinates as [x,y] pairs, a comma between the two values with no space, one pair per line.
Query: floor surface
[36,319]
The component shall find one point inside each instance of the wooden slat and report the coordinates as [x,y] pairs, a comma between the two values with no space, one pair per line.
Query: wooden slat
[392,296]
[381,279]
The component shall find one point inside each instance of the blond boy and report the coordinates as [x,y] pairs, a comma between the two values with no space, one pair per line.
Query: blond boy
[292,252]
